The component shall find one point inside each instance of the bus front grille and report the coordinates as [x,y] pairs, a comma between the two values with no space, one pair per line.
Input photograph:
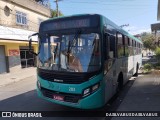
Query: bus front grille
[65,77]
[73,98]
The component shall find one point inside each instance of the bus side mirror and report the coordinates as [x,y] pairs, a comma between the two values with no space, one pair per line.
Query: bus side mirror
[30,44]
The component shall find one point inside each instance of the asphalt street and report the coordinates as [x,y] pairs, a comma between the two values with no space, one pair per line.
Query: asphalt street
[22,96]
[139,94]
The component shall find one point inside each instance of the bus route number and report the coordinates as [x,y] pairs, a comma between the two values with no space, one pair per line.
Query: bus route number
[72,89]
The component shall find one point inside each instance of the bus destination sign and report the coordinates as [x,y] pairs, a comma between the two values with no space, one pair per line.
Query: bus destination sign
[68,24]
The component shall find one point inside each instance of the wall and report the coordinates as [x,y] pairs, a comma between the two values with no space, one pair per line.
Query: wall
[32,16]
[34,12]
[12,52]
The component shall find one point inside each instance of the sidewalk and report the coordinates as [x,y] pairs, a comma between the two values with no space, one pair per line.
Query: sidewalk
[17,75]
[144,95]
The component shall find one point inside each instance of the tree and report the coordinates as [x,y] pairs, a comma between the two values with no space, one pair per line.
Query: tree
[157,52]
[54,13]
[148,41]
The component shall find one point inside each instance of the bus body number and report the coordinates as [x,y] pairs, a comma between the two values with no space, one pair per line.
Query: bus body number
[72,89]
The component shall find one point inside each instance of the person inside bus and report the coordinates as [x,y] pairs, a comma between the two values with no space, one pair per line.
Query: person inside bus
[84,58]
[74,63]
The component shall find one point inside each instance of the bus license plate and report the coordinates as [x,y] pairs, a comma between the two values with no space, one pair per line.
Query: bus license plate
[58,97]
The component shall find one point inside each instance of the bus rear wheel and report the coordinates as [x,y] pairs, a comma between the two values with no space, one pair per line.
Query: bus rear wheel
[137,67]
[120,82]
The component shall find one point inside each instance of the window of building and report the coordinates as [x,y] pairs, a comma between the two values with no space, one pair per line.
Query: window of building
[27,59]
[21,18]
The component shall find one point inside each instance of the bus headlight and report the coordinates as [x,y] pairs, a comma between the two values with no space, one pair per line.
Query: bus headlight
[38,84]
[86,92]
[91,89]
[95,87]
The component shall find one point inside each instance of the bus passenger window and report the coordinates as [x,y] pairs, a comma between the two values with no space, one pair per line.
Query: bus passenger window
[120,46]
[135,48]
[126,46]
[130,47]
[112,46]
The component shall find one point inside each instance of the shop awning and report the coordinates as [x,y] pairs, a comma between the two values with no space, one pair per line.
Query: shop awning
[16,34]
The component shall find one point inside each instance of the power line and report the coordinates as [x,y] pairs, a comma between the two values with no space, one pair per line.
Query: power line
[104,8]
[140,14]
[104,3]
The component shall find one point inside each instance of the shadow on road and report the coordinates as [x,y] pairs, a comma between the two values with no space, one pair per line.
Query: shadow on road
[29,101]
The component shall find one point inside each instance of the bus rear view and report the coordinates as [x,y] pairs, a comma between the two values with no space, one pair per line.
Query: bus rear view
[69,61]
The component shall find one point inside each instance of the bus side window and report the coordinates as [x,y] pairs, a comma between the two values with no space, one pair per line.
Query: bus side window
[120,45]
[106,46]
[130,47]
[126,43]
[112,50]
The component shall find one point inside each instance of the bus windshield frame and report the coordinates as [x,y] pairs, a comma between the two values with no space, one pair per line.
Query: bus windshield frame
[68,52]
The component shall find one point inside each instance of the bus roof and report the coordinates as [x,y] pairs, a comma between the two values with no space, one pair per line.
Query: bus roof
[119,29]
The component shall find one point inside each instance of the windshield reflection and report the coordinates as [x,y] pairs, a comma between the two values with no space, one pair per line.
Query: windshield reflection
[73,53]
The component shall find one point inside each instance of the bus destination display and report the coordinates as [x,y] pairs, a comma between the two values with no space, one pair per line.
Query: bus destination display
[57,25]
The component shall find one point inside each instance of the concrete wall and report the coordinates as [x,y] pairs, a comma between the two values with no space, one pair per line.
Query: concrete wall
[13,60]
[33,10]
[31,5]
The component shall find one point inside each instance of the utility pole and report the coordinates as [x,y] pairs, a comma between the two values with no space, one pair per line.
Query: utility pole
[56,1]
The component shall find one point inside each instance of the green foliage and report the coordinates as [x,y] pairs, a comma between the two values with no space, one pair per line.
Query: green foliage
[147,67]
[148,41]
[157,52]
[144,34]
[157,66]
[54,13]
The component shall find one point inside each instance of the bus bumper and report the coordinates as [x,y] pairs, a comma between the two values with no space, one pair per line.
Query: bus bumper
[95,100]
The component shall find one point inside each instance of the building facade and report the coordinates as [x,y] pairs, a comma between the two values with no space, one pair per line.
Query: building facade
[156,32]
[18,20]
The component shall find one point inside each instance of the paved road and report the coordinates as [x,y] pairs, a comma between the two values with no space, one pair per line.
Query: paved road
[144,95]
[21,96]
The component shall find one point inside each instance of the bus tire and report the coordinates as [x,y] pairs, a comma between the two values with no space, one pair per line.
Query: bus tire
[137,67]
[120,82]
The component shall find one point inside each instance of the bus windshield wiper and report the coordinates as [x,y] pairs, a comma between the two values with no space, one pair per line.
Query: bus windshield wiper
[71,44]
[55,52]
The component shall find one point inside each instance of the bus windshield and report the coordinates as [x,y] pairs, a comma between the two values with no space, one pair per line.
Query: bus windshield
[70,52]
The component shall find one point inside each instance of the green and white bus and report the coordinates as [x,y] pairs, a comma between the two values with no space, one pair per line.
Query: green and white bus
[83,60]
